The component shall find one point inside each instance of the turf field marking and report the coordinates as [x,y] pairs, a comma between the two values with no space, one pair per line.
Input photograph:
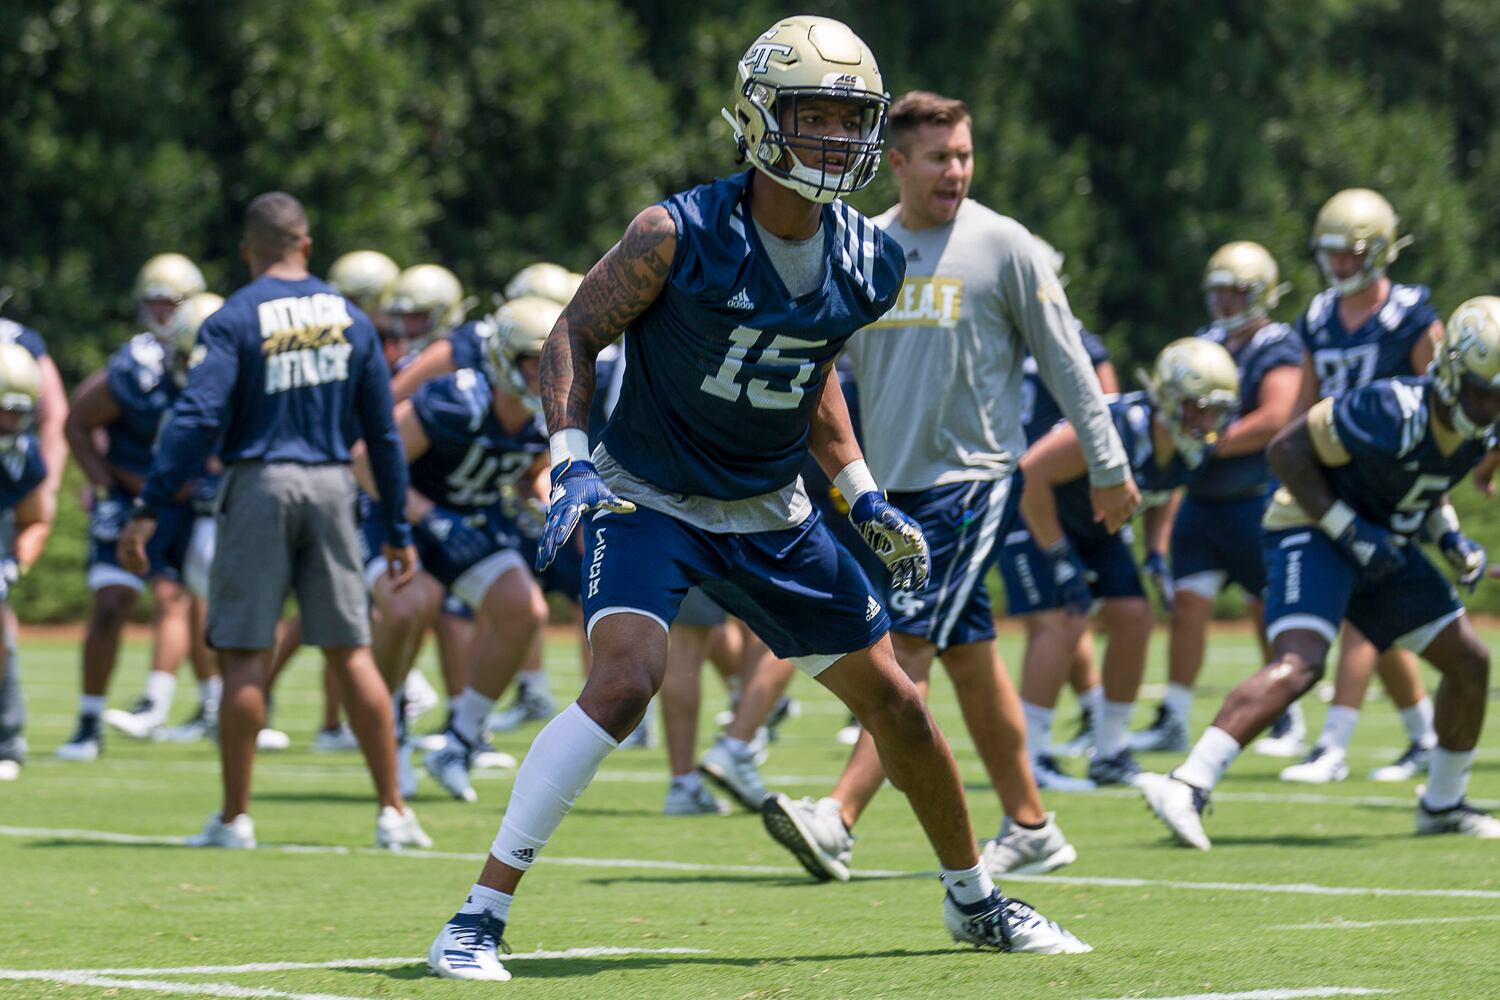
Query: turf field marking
[70,978]
[1342,924]
[1312,991]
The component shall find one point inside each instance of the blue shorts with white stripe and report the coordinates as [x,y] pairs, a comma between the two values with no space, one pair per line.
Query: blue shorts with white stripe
[964,523]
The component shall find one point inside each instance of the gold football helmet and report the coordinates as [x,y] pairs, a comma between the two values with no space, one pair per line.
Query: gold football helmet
[521,328]
[547,281]
[1193,372]
[365,277]
[1357,221]
[20,390]
[1247,267]
[1469,352]
[799,59]
[426,302]
[167,277]
[183,331]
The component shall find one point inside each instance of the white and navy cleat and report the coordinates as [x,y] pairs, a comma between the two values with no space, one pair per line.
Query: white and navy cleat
[1008,925]
[813,831]
[468,947]
[1177,804]
[237,834]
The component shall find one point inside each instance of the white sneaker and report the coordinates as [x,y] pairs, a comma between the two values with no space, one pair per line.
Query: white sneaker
[10,770]
[1323,766]
[1288,735]
[468,947]
[1008,925]
[85,743]
[734,773]
[449,767]
[339,739]
[272,739]
[420,697]
[534,703]
[1050,775]
[1462,819]
[238,833]
[813,831]
[200,727]
[396,830]
[1411,764]
[1177,804]
[138,723]
[1019,851]
[406,770]
[684,799]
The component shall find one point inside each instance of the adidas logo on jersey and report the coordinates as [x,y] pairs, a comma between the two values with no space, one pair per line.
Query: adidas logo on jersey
[872,608]
[741,300]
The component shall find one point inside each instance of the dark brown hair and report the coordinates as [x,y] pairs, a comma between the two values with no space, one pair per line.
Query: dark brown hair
[274,223]
[916,108]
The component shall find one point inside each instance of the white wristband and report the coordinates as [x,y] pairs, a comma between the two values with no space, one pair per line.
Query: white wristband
[1336,519]
[569,443]
[854,480]
[1440,522]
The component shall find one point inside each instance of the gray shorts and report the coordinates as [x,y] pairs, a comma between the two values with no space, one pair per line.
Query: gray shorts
[284,527]
[699,610]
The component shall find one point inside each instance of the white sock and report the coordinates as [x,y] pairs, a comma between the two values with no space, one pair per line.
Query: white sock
[1179,699]
[532,679]
[469,713]
[1447,778]
[558,767]
[736,746]
[1113,732]
[160,687]
[91,704]
[210,693]
[1211,757]
[1418,722]
[1092,701]
[1038,729]
[483,899]
[969,885]
[690,782]
[1338,727]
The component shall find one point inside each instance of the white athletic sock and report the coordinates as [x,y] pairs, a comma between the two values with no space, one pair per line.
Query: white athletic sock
[469,713]
[91,704]
[690,782]
[160,687]
[1179,699]
[483,899]
[558,767]
[210,693]
[1113,728]
[1211,757]
[1418,722]
[1038,729]
[1338,727]
[1447,778]
[1092,701]
[969,885]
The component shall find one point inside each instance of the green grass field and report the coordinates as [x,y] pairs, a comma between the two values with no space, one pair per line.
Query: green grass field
[1308,892]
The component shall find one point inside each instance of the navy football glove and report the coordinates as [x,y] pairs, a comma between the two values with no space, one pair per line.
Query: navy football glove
[894,537]
[1073,592]
[1374,549]
[459,537]
[577,489]
[1466,556]
[1160,578]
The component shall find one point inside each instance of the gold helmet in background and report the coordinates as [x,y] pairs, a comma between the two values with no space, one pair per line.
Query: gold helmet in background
[365,277]
[521,328]
[1362,222]
[426,301]
[1193,372]
[1468,352]
[167,277]
[543,280]
[20,391]
[1243,266]
[182,330]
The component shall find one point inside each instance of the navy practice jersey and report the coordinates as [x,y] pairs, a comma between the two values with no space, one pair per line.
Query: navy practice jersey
[12,332]
[21,471]
[1381,348]
[290,371]
[137,377]
[1131,414]
[1039,411]
[724,369]
[1273,346]
[470,455]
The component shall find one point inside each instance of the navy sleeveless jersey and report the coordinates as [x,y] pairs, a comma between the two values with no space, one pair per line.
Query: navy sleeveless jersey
[724,369]
[138,380]
[1131,414]
[470,455]
[21,471]
[1381,348]
[1273,346]
[12,332]
[1039,411]
[1396,473]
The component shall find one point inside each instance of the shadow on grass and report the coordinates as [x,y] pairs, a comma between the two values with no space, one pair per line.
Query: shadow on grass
[1314,841]
[758,879]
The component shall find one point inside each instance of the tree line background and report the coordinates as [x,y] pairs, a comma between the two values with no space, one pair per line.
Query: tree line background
[1136,135]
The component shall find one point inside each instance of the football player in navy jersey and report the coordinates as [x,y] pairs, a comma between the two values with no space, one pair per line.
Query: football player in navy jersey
[468,436]
[737,297]
[1361,328]
[127,400]
[23,474]
[1363,475]
[1067,561]
[1215,533]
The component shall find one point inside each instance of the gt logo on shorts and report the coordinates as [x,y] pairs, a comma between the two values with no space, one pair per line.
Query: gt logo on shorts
[596,563]
[906,602]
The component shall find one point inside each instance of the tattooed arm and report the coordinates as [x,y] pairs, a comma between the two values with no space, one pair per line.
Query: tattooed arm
[618,289]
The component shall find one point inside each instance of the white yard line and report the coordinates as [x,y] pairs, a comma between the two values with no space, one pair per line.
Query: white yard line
[164,986]
[1341,924]
[1293,994]
[1265,888]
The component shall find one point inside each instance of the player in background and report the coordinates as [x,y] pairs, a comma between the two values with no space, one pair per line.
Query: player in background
[1215,533]
[1362,477]
[738,295]
[1361,328]
[940,379]
[23,479]
[123,404]
[1067,563]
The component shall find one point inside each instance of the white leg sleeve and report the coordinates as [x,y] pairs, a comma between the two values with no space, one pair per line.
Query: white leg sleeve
[558,767]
